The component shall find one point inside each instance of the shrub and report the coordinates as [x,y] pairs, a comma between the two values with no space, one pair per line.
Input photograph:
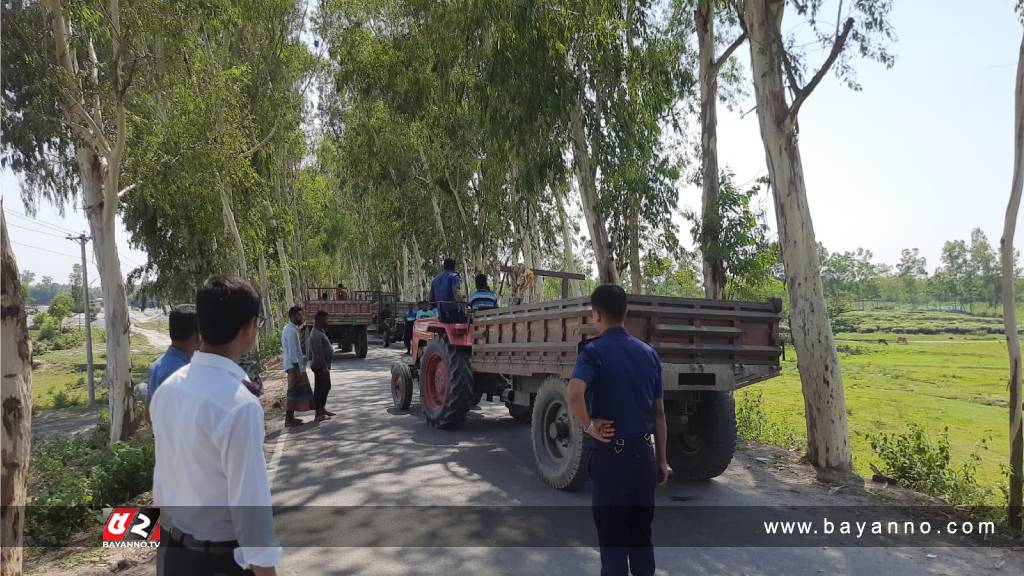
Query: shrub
[68,340]
[920,463]
[61,399]
[59,511]
[269,346]
[49,328]
[124,471]
[753,423]
[37,320]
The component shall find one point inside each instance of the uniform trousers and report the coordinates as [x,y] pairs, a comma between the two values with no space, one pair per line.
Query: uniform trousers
[624,478]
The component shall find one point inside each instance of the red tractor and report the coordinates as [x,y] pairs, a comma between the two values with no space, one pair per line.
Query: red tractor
[523,355]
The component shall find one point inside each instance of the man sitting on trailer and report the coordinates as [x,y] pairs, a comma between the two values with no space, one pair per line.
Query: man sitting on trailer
[483,298]
[446,294]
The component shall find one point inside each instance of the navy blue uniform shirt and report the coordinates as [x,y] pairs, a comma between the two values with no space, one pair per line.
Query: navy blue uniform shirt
[623,377]
[442,291]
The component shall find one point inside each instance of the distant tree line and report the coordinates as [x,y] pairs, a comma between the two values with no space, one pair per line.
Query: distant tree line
[43,291]
[967,278]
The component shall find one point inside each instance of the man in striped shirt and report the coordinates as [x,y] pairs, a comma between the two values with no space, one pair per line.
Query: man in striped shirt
[483,298]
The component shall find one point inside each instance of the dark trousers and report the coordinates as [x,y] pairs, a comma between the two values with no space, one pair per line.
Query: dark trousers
[321,386]
[408,334]
[172,560]
[623,506]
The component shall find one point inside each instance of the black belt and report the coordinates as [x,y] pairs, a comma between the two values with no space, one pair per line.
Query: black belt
[618,444]
[179,538]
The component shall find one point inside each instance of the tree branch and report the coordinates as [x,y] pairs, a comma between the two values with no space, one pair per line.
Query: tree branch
[128,188]
[265,139]
[837,48]
[717,64]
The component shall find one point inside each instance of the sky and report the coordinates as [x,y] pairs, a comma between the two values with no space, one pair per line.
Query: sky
[921,155]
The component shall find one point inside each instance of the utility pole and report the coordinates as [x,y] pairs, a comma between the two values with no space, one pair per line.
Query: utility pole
[82,239]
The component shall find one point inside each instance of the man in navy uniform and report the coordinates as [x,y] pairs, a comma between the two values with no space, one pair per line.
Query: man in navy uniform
[446,294]
[615,392]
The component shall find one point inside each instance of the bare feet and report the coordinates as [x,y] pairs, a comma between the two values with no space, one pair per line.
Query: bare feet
[329,413]
[293,422]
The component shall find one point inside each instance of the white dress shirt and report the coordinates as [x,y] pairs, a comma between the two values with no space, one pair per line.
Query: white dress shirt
[210,479]
[291,352]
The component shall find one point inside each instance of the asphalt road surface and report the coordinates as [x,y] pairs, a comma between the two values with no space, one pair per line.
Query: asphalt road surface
[370,456]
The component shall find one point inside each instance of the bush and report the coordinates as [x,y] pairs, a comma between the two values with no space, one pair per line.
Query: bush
[125,471]
[920,463]
[753,423]
[269,346]
[68,340]
[61,399]
[37,320]
[71,479]
[49,328]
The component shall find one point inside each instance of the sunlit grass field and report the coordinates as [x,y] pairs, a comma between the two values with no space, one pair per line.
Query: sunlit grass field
[938,381]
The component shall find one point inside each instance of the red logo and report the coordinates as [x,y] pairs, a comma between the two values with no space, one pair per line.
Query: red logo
[132,527]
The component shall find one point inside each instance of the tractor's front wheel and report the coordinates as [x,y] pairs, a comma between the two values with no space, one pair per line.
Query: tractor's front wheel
[558,438]
[446,384]
[401,386]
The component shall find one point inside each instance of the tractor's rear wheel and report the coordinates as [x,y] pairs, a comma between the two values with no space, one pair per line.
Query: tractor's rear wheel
[702,448]
[361,342]
[519,412]
[401,386]
[558,438]
[446,384]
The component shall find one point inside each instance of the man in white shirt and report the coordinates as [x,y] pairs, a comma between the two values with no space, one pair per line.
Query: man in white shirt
[210,480]
[294,364]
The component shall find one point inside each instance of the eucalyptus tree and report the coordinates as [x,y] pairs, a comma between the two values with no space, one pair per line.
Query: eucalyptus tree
[1008,262]
[780,90]
[715,49]
[70,77]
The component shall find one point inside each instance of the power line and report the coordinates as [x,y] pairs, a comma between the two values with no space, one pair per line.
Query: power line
[46,250]
[13,225]
[22,215]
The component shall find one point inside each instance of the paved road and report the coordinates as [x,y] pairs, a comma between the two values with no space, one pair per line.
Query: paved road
[370,455]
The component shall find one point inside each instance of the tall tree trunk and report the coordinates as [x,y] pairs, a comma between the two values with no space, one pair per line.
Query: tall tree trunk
[268,309]
[16,402]
[286,274]
[1016,492]
[568,263]
[586,179]
[711,233]
[635,272]
[229,219]
[817,361]
[100,209]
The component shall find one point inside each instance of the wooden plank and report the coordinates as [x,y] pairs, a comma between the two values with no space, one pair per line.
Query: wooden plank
[701,313]
[688,329]
[718,349]
[525,347]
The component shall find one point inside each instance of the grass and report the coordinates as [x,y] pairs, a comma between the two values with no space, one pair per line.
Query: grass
[61,376]
[937,381]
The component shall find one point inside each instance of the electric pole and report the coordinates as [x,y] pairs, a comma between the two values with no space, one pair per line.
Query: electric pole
[82,239]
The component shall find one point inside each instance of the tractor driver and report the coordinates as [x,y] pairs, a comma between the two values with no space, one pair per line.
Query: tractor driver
[446,294]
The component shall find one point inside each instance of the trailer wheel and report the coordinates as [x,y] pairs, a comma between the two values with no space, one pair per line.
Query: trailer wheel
[558,438]
[361,342]
[446,384]
[387,338]
[702,449]
[401,386]
[521,413]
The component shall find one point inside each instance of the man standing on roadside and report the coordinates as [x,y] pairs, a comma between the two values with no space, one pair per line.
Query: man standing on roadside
[294,365]
[615,393]
[321,353]
[210,480]
[184,329]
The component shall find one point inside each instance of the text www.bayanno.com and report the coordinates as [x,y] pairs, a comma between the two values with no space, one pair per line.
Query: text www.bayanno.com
[859,529]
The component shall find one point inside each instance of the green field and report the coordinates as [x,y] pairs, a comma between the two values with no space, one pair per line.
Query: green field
[936,380]
[61,373]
